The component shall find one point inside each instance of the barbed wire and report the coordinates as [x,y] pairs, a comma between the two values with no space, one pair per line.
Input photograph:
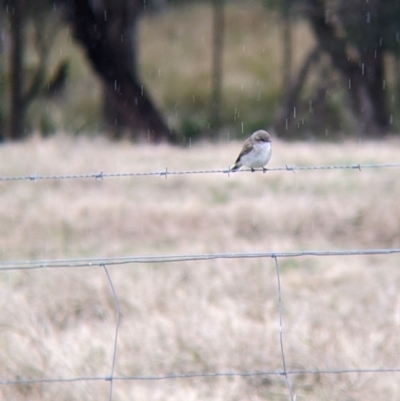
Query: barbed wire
[165,173]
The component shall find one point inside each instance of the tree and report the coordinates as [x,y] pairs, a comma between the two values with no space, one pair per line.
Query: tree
[218,34]
[292,93]
[356,35]
[291,88]
[24,89]
[102,32]
[16,114]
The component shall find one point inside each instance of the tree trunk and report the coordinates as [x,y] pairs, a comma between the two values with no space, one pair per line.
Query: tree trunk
[287,49]
[218,35]
[367,98]
[16,116]
[291,95]
[122,23]
[377,91]
[397,84]
[115,69]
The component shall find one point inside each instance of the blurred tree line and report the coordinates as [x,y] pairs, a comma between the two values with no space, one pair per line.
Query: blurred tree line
[352,42]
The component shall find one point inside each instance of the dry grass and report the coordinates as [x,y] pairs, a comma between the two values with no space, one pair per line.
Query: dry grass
[339,312]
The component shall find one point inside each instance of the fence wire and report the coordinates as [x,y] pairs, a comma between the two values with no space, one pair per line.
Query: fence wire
[200,375]
[117,313]
[284,371]
[152,259]
[104,262]
[107,262]
[165,173]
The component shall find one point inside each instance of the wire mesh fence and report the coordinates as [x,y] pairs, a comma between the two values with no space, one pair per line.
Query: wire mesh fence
[107,263]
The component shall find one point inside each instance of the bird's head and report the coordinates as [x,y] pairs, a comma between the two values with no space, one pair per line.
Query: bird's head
[261,136]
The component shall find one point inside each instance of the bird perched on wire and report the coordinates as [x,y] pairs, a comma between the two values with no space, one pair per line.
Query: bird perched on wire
[256,152]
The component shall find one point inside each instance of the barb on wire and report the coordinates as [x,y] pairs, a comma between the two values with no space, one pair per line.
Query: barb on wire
[290,168]
[166,172]
[110,378]
[99,176]
[284,371]
[87,262]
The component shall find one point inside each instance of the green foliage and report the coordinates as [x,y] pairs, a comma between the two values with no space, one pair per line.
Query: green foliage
[191,128]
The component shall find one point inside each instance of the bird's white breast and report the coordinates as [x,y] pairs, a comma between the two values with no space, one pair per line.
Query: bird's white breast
[259,156]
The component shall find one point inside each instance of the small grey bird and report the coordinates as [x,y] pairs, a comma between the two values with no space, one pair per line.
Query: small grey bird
[256,152]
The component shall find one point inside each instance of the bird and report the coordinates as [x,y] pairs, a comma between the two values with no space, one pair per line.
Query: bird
[256,152]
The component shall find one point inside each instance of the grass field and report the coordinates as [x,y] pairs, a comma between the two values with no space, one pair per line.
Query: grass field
[222,315]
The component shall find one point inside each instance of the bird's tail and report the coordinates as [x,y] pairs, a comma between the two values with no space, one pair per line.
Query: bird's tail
[235,167]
